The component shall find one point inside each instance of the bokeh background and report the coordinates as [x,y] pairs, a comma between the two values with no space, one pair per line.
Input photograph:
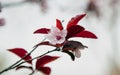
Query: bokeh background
[20,18]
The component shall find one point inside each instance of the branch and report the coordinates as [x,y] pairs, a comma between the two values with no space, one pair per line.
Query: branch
[11,67]
[57,49]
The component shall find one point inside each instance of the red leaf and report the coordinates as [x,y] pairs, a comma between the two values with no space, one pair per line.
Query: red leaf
[74,30]
[45,70]
[59,24]
[75,20]
[49,44]
[42,31]
[44,60]
[73,45]
[86,34]
[21,53]
[24,67]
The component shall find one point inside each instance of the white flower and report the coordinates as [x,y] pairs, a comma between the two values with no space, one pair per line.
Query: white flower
[77,53]
[56,36]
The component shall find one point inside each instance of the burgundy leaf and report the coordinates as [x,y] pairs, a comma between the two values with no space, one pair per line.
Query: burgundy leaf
[45,70]
[73,45]
[24,67]
[74,30]
[70,47]
[21,53]
[86,34]
[75,20]
[44,60]
[49,44]
[59,24]
[42,31]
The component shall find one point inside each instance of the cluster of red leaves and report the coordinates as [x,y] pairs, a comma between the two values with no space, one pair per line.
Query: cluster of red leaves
[40,63]
[73,30]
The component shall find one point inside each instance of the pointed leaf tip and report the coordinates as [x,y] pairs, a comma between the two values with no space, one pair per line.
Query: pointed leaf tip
[75,20]
[45,70]
[42,31]
[59,24]
[86,34]
[21,53]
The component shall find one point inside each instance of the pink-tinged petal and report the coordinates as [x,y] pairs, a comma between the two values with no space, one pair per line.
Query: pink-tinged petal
[42,31]
[77,53]
[45,70]
[56,35]
[21,53]
[49,44]
[86,34]
[59,24]
[24,67]
[74,30]
[44,60]
[75,20]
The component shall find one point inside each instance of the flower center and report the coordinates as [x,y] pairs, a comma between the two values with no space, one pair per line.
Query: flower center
[58,37]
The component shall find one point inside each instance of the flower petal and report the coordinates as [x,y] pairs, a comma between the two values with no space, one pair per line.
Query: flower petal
[77,53]
[75,20]
[45,70]
[59,24]
[56,36]
[21,53]
[73,30]
[86,34]
[42,31]
[64,33]
[44,60]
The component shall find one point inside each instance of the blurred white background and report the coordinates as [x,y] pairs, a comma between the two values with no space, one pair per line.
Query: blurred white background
[23,18]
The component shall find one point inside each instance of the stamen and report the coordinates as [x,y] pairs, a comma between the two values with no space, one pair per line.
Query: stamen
[58,37]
